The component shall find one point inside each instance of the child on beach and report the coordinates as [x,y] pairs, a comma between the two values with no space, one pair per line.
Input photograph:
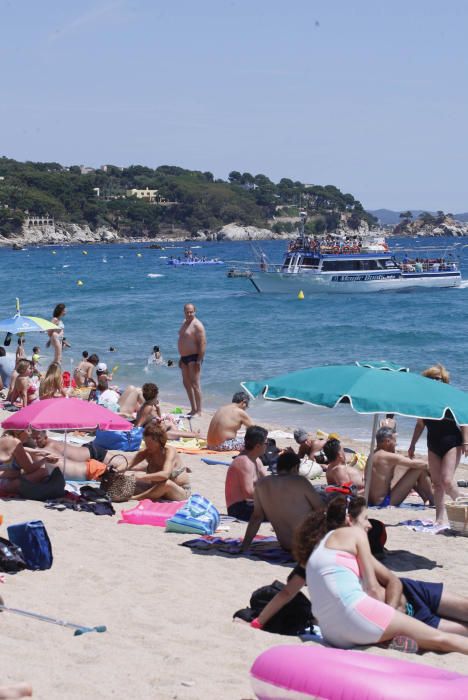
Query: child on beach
[20,353]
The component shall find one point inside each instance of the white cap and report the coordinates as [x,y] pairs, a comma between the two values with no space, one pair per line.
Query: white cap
[101,367]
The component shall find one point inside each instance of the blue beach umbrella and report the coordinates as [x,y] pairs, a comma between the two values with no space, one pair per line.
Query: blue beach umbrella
[368,391]
[25,324]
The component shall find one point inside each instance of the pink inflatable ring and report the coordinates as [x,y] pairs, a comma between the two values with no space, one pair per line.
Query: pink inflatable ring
[305,672]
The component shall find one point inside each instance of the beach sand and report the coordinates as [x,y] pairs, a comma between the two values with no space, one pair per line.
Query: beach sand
[167,610]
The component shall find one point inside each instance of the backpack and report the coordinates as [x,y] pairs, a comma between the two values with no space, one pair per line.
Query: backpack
[11,557]
[34,541]
[270,456]
[295,617]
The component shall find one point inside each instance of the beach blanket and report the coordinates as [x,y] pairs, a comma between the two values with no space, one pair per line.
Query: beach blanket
[264,548]
[196,446]
[424,526]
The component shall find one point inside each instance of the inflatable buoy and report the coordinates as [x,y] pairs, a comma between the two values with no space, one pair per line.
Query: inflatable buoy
[85,252]
[300,295]
[138,255]
[79,283]
[54,252]
[285,672]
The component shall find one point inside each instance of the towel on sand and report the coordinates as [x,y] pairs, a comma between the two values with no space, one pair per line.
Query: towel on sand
[264,548]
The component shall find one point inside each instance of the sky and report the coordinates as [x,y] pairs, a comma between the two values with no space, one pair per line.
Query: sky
[367,95]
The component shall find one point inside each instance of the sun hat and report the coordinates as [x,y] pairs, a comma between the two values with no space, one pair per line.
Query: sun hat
[101,367]
[300,435]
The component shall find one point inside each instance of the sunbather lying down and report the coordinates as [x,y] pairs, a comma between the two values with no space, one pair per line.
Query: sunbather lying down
[18,690]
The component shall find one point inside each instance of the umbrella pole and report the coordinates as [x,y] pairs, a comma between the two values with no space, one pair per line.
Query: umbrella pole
[65,455]
[370,459]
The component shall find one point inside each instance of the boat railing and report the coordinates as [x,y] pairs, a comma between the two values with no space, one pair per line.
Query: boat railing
[428,266]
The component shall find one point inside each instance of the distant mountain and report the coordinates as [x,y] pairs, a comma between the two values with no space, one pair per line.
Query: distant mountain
[388,217]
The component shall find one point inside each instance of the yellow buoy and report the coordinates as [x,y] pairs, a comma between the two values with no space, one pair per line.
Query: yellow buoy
[85,252]
[300,295]
[80,283]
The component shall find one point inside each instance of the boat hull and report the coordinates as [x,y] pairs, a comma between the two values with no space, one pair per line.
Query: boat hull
[293,283]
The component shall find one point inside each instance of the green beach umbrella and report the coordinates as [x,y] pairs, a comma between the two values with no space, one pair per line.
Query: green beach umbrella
[368,391]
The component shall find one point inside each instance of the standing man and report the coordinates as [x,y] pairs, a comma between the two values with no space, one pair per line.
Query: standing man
[192,347]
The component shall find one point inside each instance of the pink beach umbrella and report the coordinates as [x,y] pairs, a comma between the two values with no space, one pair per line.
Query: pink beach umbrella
[65,414]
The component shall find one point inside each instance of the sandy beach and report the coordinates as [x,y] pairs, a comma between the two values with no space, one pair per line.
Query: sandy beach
[168,611]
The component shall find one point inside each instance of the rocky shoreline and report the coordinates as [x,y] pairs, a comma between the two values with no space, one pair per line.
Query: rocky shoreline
[74,234]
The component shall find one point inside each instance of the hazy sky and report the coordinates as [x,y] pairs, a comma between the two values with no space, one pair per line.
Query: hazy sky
[368,95]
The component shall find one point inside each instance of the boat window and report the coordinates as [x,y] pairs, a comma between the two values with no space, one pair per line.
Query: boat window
[309,261]
[340,265]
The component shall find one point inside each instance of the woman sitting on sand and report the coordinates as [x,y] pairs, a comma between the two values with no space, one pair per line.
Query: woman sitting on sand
[83,372]
[51,387]
[15,463]
[358,610]
[24,391]
[165,475]
[150,409]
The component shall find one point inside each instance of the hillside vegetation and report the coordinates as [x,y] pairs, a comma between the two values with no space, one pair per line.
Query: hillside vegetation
[187,199]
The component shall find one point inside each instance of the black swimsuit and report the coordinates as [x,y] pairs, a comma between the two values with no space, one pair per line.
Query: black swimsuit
[187,359]
[442,436]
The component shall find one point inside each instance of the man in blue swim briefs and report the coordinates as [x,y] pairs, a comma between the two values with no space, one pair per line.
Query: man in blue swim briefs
[192,347]
[413,473]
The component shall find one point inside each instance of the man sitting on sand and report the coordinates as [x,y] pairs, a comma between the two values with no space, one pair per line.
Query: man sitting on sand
[222,431]
[338,472]
[308,445]
[284,499]
[385,462]
[243,472]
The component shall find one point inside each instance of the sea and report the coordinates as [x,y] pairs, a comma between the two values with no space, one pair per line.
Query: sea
[128,298]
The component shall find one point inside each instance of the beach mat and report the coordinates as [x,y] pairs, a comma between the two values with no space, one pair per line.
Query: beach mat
[202,450]
[215,461]
[263,548]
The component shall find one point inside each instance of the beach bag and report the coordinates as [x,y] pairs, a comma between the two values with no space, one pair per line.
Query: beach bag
[34,542]
[198,516]
[270,456]
[51,487]
[125,440]
[118,486]
[11,557]
[310,469]
[293,618]
[457,512]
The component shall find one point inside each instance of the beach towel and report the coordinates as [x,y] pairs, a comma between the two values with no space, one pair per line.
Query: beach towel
[215,461]
[197,446]
[263,548]
[424,526]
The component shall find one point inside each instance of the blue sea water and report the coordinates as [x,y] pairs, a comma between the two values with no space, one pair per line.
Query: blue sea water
[131,299]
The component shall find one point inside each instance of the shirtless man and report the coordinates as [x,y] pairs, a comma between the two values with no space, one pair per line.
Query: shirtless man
[243,472]
[338,472]
[192,347]
[384,464]
[15,463]
[75,461]
[222,431]
[284,499]
[308,445]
